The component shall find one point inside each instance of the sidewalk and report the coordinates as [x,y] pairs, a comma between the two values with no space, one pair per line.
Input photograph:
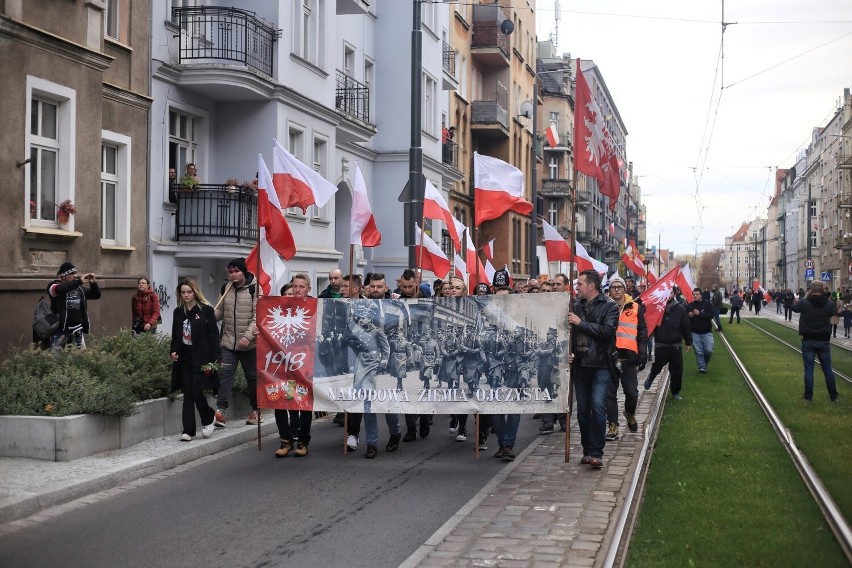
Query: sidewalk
[538,510]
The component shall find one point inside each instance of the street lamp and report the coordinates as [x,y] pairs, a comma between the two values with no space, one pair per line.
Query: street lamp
[738,268]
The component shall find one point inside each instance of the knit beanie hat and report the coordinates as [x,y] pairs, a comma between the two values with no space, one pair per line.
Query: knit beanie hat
[66,269]
[240,264]
[616,278]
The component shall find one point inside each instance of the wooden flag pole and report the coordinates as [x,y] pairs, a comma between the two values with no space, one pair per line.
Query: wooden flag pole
[572,269]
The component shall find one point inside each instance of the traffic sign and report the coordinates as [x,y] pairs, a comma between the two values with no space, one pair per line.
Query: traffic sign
[809,263]
[809,274]
[826,277]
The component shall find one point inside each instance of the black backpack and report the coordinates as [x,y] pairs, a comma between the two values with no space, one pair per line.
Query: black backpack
[45,322]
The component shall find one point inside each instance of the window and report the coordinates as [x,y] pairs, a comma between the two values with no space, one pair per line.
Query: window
[554,120]
[428,15]
[369,78]
[308,33]
[813,208]
[319,161]
[183,141]
[430,102]
[553,168]
[348,60]
[111,19]
[50,141]
[115,189]
[553,213]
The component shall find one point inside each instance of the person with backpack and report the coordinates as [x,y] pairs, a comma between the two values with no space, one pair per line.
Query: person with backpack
[69,300]
[236,310]
[145,308]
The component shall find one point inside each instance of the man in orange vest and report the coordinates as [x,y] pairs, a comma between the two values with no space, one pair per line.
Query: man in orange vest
[631,340]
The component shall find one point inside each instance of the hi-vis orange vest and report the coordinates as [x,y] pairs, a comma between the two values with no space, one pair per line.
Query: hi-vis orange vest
[628,327]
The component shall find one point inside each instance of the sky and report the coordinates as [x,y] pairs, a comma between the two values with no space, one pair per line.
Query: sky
[705,134]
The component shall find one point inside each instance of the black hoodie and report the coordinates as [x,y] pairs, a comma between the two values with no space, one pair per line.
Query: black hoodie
[815,319]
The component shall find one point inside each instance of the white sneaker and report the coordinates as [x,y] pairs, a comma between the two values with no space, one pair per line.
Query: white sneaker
[461,438]
[207,430]
[352,443]
[185,438]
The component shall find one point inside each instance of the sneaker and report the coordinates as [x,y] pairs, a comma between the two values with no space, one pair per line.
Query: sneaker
[301,450]
[596,463]
[393,443]
[351,443]
[372,451]
[462,437]
[677,396]
[546,428]
[219,418]
[338,419]
[508,454]
[632,425]
[499,453]
[185,438]
[648,382]
[702,370]
[483,441]
[424,428]
[454,425]
[612,431]
[586,460]
[410,436]
[254,418]
[207,430]
[284,450]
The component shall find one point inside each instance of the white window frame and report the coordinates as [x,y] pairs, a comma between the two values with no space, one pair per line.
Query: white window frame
[553,167]
[429,105]
[123,220]
[112,22]
[349,54]
[65,143]
[308,32]
[553,213]
[319,152]
[190,144]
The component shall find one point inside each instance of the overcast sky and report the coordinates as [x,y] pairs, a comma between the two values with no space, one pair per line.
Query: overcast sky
[659,59]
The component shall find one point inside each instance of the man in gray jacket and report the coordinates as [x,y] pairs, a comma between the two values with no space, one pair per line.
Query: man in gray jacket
[236,309]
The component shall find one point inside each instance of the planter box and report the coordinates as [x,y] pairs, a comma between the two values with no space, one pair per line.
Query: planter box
[69,438]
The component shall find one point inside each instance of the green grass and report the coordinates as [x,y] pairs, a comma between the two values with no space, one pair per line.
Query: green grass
[721,490]
[841,359]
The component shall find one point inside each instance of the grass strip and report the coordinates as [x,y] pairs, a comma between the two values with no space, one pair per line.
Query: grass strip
[721,490]
[821,429]
[841,359]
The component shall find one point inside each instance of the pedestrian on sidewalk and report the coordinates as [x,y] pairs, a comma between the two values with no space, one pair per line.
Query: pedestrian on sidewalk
[236,309]
[789,300]
[736,300]
[195,352]
[846,314]
[145,308]
[594,320]
[700,312]
[815,312]
[673,328]
[716,300]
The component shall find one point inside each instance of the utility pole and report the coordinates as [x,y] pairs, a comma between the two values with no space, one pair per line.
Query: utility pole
[810,228]
[414,206]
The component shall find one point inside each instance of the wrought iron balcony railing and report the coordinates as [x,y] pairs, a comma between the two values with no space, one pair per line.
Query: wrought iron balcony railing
[211,34]
[449,60]
[352,97]
[212,212]
[450,154]
[556,187]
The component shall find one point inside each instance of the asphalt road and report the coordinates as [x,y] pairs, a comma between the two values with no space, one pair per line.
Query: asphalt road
[249,509]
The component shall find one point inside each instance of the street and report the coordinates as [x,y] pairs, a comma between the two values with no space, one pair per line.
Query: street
[247,508]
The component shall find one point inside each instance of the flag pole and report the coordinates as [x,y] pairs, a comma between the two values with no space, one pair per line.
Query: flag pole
[419,262]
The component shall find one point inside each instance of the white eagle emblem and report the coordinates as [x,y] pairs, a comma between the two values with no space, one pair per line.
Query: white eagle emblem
[660,296]
[288,327]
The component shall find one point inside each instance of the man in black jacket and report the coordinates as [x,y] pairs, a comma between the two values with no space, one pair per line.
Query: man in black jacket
[815,311]
[594,320]
[701,314]
[68,299]
[673,328]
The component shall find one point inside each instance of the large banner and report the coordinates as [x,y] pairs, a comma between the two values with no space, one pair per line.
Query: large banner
[490,354]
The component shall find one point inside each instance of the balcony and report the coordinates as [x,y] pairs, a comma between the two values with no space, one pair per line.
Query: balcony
[584,196]
[489,46]
[844,161]
[450,154]
[845,201]
[210,34]
[212,212]
[352,98]
[556,188]
[489,118]
[565,144]
[584,237]
[448,63]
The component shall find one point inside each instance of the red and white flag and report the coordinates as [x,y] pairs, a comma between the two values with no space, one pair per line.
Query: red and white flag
[363,230]
[488,250]
[655,298]
[430,254]
[270,214]
[435,207]
[552,136]
[586,262]
[632,261]
[556,246]
[489,270]
[612,229]
[596,153]
[651,276]
[474,264]
[498,188]
[685,283]
[297,184]
[271,271]
[459,267]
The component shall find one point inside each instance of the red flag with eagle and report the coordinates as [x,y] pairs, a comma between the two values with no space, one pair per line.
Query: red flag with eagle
[596,156]
[633,260]
[655,298]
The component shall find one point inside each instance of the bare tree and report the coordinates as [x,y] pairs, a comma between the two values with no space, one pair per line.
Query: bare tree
[708,270]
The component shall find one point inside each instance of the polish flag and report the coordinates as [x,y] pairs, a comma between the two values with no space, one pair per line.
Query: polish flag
[632,262]
[685,283]
[430,254]
[651,276]
[586,262]
[655,298]
[552,136]
[435,207]
[363,229]
[595,150]
[556,247]
[270,214]
[298,185]
[489,270]
[489,250]
[271,271]
[472,260]
[612,229]
[498,188]
[459,267]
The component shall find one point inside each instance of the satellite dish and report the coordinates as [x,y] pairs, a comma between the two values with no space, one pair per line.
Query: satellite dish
[527,109]
[507,27]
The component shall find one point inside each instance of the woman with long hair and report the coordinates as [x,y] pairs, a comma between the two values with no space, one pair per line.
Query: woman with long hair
[195,353]
[145,307]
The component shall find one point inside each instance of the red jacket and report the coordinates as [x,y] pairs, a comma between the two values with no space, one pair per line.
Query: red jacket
[146,306]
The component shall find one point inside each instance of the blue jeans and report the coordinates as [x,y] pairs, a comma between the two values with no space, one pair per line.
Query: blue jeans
[716,318]
[590,386]
[506,426]
[230,359]
[810,349]
[371,425]
[702,343]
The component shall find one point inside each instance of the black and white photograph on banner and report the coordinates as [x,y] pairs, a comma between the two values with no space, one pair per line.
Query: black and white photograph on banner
[489,354]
